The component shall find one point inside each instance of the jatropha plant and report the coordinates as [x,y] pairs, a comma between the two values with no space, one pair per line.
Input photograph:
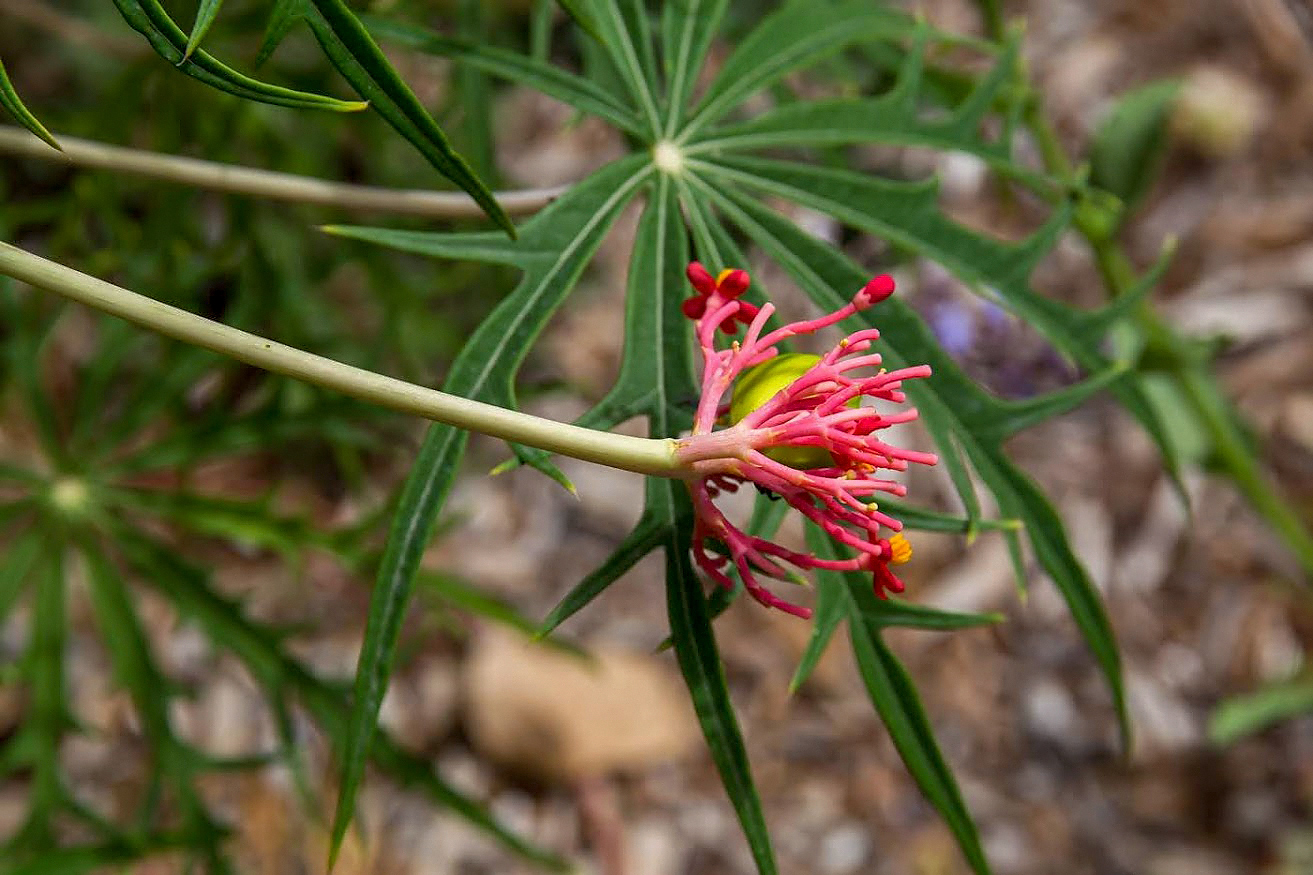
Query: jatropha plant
[802,439]
[711,164]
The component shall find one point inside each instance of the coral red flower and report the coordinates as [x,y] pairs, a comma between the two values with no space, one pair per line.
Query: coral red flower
[731,283]
[809,442]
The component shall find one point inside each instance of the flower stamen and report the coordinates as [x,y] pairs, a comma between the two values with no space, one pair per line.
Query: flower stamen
[797,431]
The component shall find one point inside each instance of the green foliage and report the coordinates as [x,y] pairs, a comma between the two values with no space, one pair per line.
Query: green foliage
[714,184]
[1131,142]
[90,508]
[132,416]
[13,104]
[149,18]
[1244,715]
[352,51]
[709,168]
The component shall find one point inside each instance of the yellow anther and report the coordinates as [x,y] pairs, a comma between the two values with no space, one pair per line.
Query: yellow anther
[900,550]
[873,507]
[724,273]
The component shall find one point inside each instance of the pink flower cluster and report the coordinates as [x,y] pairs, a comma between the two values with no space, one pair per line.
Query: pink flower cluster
[814,416]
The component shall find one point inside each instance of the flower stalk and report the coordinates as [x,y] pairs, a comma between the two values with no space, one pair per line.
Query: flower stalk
[642,455]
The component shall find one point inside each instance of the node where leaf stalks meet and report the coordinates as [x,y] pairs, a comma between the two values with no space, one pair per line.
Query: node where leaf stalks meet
[668,158]
[70,496]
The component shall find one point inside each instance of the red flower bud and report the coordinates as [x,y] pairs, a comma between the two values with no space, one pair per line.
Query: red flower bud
[701,278]
[733,283]
[874,291]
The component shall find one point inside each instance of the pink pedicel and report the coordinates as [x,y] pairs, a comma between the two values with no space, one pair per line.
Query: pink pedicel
[811,412]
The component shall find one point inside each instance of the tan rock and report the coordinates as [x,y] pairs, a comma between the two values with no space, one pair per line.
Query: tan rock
[560,716]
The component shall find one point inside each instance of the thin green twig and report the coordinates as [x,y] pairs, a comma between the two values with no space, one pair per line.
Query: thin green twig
[267,183]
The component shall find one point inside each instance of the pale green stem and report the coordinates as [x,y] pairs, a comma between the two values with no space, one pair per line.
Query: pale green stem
[267,183]
[643,455]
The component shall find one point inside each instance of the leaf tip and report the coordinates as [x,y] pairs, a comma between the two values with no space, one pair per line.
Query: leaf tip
[334,848]
[972,531]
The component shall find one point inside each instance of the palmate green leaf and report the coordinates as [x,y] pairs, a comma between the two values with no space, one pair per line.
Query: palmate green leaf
[457,593]
[125,640]
[148,18]
[797,35]
[580,15]
[473,94]
[644,385]
[566,87]
[907,213]
[1130,143]
[896,118]
[260,649]
[830,609]
[646,537]
[638,26]
[13,104]
[624,33]
[850,594]
[250,523]
[47,718]
[362,63]
[922,519]
[554,248]
[699,662]
[282,18]
[894,695]
[899,614]
[20,558]
[956,401]
[205,15]
[833,604]
[687,28]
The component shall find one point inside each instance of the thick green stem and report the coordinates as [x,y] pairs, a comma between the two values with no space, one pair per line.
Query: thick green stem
[643,455]
[267,183]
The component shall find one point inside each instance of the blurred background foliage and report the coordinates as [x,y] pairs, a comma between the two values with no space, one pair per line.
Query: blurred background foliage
[129,459]
[131,463]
